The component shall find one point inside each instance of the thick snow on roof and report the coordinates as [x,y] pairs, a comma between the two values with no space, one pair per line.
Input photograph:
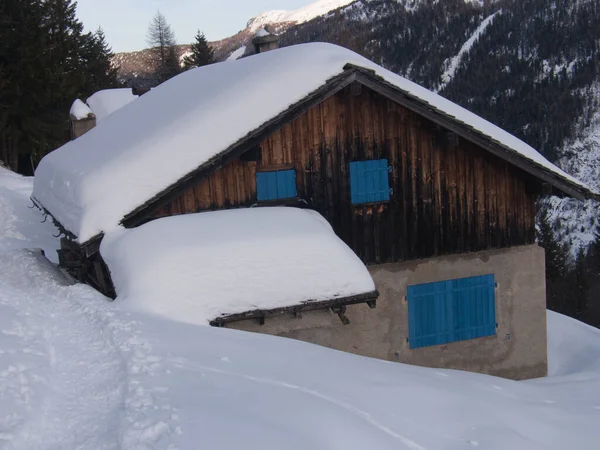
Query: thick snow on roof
[237,54]
[91,183]
[103,103]
[196,267]
[262,32]
[80,110]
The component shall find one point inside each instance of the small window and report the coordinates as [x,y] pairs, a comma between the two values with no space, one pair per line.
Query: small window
[450,311]
[369,181]
[275,185]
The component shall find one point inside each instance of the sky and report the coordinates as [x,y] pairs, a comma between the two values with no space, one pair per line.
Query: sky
[125,22]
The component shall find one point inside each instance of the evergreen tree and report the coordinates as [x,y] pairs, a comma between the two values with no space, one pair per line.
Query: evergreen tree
[97,58]
[579,285]
[558,297]
[46,62]
[202,53]
[593,259]
[161,39]
[556,253]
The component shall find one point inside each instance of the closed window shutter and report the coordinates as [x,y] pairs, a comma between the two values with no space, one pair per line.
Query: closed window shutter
[474,307]
[369,181]
[274,185]
[452,310]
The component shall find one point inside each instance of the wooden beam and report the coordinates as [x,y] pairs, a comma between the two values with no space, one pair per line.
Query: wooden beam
[297,310]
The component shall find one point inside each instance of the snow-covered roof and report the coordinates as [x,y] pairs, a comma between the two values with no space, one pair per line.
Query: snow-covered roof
[103,103]
[262,32]
[197,267]
[90,184]
[80,110]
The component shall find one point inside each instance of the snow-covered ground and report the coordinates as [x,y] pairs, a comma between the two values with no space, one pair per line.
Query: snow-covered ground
[78,372]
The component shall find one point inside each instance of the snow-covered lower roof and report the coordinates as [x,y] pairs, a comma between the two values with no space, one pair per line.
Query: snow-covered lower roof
[90,184]
[197,267]
[80,110]
[103,103]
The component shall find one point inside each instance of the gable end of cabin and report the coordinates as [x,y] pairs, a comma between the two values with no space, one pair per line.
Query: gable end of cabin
[394,185]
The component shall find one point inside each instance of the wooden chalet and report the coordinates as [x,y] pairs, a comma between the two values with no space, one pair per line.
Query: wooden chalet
[421,190]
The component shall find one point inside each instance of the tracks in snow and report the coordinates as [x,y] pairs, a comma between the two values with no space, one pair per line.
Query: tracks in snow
[83,396]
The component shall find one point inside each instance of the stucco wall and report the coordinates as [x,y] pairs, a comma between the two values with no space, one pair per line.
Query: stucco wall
[518,350]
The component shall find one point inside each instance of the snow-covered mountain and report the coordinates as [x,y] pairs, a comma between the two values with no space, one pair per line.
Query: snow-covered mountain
[297,16]
[576,221]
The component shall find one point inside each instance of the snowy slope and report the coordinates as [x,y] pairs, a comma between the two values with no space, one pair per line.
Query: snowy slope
[453,63]
[77,372]
[575,221]
[411,5]
[300,15]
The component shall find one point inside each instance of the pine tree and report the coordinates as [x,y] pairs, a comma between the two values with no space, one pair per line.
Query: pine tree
[593,259]
[556,253]
[97,59]
[164,55]
[579,284]
[27,124]
[46,62]
[202,53]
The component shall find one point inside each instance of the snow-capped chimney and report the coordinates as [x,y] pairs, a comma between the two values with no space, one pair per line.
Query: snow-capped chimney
[264,41]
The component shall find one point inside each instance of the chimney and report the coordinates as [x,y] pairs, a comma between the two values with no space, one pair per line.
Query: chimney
[139,90]
[264,41]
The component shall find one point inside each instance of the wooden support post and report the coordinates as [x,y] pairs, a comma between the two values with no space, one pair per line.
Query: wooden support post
[340,311]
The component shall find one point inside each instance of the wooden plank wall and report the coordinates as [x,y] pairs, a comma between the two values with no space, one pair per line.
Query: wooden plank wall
[445,199]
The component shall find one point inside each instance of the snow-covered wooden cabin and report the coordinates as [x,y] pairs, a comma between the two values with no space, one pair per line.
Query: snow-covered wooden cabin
[437,202]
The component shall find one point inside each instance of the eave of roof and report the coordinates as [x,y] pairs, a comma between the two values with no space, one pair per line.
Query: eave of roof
[261,314]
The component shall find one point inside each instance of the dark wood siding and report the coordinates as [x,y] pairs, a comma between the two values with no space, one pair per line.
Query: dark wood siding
[447,197]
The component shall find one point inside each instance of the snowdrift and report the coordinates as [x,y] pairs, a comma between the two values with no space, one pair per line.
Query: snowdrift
[197,267]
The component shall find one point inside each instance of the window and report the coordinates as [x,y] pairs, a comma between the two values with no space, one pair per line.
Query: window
[449,311]
[369,181]
[275,185]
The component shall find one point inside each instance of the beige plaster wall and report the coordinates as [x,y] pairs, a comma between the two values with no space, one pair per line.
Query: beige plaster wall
[517,351]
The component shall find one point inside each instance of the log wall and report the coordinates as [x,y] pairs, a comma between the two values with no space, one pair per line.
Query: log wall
[449,196]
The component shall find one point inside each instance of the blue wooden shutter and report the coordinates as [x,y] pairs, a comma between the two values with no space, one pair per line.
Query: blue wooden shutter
[369,181]
[474,307]
[453,310]
[274,185]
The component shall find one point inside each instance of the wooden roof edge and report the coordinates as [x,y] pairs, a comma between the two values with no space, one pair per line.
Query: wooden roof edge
[370,298]
[331,87]
[91,246]
[578,191]
[56,223]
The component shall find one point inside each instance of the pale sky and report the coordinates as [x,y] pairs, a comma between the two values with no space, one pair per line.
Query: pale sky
[125,22]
